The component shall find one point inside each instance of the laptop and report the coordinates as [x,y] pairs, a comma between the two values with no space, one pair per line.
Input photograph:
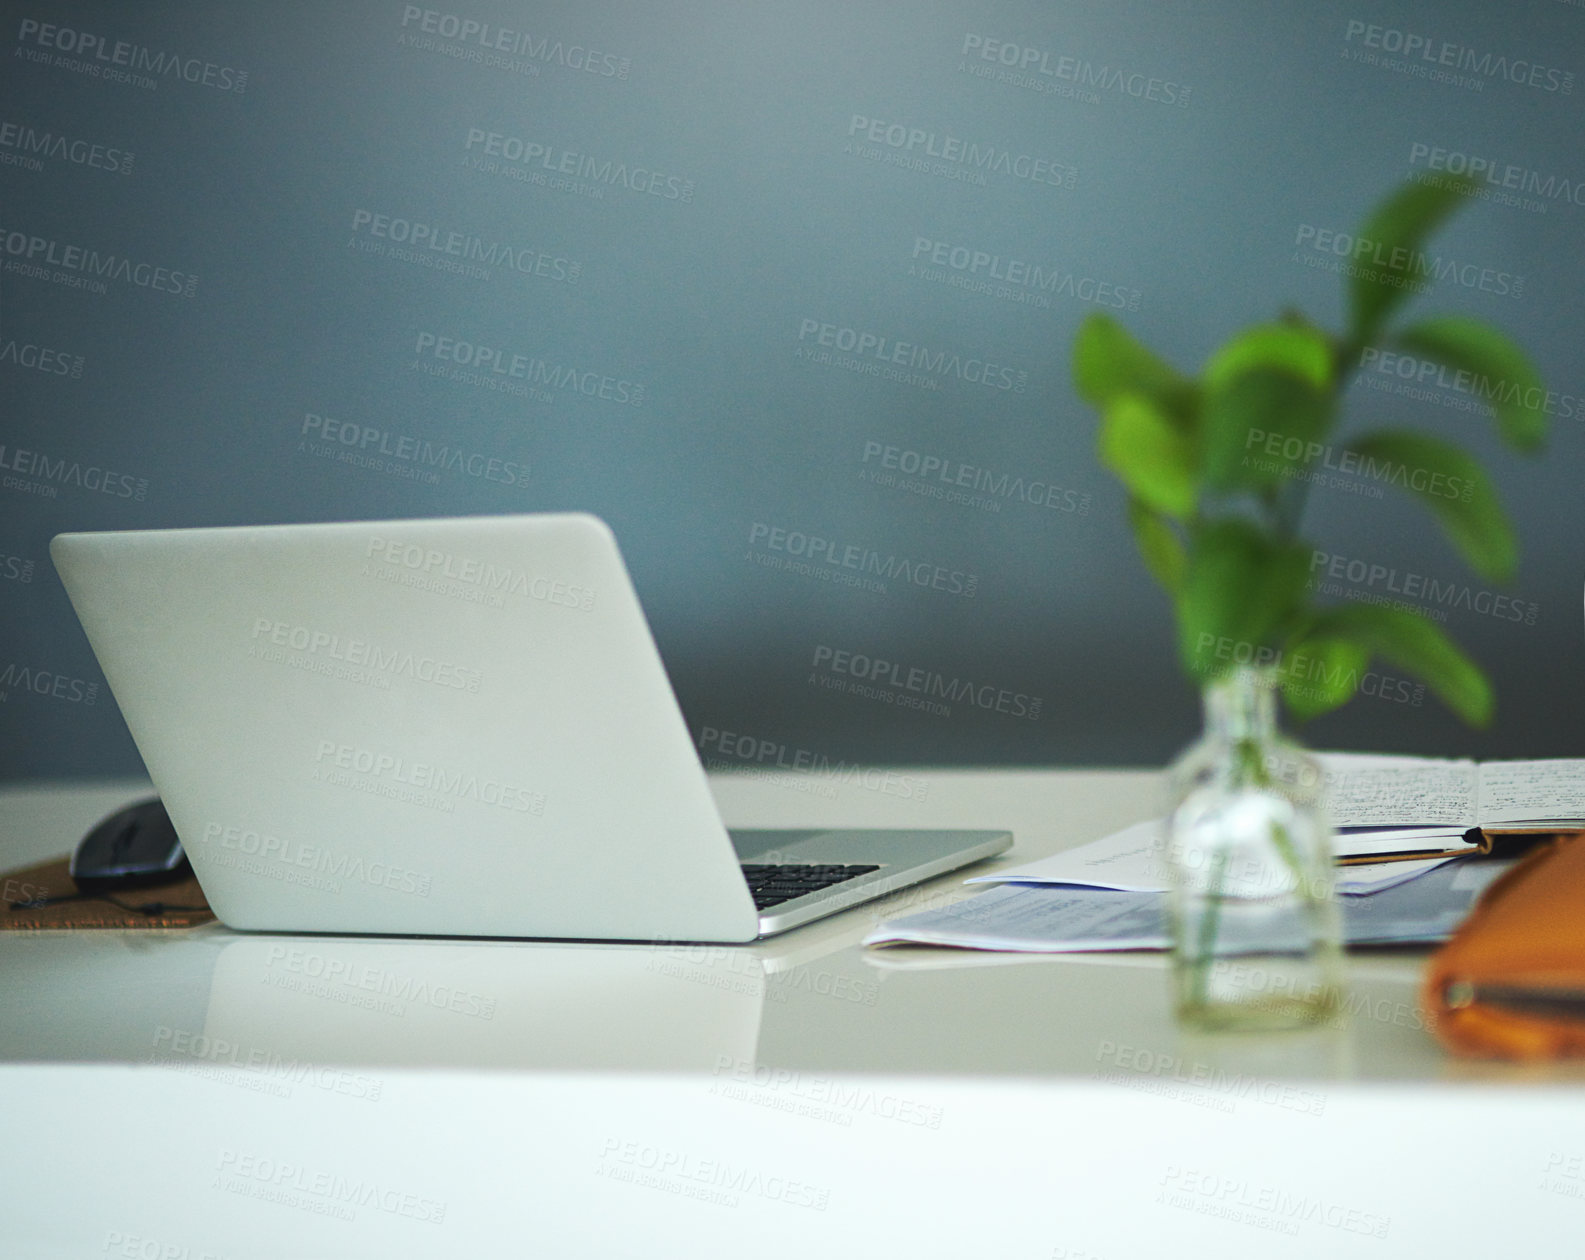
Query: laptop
[442,727]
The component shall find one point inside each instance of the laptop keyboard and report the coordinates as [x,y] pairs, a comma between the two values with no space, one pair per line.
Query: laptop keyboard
[772,885]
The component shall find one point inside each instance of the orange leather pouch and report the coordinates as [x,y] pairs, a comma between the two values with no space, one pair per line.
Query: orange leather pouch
[1511,982]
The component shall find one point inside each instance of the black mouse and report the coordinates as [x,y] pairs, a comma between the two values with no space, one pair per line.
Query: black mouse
[134,847]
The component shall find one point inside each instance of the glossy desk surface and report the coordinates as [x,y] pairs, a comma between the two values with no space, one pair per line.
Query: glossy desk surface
[673,1078]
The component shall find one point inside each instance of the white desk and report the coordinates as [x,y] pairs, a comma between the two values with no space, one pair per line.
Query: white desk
[272,1096]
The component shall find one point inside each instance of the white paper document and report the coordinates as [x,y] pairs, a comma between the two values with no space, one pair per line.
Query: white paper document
[1028,918]
[1040,919]
[1130,860]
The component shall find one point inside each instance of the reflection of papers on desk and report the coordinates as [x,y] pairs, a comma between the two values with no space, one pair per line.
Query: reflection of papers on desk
[1057,920]
[1130,861]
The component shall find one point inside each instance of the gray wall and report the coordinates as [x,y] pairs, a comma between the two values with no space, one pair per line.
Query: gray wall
[710,232]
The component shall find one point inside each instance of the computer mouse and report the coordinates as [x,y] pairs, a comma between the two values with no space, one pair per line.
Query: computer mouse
[132,848]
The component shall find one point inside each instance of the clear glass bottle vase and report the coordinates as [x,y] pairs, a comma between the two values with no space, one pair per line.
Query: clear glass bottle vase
[1255,927]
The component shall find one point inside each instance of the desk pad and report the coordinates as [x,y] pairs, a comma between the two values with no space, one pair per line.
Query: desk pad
[28,903]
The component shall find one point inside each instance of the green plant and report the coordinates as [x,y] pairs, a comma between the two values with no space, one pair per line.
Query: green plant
[1216,467]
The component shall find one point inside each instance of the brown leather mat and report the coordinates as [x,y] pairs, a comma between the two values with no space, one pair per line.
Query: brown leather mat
[27,903]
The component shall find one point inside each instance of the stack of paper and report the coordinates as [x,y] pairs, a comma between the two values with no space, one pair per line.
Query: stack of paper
[1401,824]
[1034,918]
[1130,861]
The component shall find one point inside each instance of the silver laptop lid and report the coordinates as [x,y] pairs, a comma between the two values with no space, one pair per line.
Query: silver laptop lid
[446,726]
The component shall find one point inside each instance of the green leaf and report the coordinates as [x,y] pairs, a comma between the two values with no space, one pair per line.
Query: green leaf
[1297,350]
[1109,362]
[1500,373]
[1262,427]
[1386,246]
[1417,645]
[1267,403]
[1454,487]
[1321,674]
[1239,587]
[1150,456]
[1161,548]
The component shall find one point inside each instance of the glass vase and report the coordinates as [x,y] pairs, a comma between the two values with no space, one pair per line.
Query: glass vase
[1255,926]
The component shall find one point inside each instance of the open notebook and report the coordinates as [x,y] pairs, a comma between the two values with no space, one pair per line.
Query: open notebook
[1398,806]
